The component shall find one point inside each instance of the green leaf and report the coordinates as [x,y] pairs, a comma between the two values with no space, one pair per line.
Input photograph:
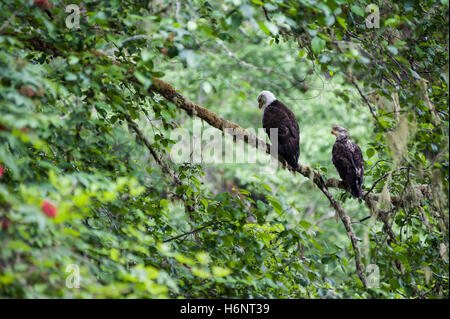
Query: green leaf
[357,10]
[258,2]
[370,152]
[316,244]
[203,257]
[267,187]
[146,55]
[305,224]
[191,25]
[317,45]
[142,79]
[342,22]
[200,272]
[220,271]
[264,28]
[302,54]
[392,49]
[276,204]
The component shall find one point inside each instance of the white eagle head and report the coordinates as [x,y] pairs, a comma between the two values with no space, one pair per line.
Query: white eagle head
[339,132]
[265,98]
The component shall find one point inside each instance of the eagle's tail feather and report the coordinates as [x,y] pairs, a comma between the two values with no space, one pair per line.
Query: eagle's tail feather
[293,162]
[356,190]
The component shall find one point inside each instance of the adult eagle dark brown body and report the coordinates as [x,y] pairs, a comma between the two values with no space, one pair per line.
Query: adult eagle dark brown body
[348,160]
[277,115]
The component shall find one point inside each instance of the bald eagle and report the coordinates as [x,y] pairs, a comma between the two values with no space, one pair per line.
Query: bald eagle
[348,160]
[277,115]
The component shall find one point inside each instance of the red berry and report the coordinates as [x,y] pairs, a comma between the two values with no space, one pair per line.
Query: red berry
[1,170]
[5,223]
[43,4]
[49,209]
[27,91]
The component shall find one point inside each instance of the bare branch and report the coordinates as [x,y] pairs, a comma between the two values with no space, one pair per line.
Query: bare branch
[188,233]
[266,14]
[356,85]
[136,37]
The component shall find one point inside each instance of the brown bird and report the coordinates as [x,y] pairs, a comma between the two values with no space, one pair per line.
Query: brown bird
[348,160]
[277,115]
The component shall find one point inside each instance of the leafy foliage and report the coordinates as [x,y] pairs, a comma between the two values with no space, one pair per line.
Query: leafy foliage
[80,186]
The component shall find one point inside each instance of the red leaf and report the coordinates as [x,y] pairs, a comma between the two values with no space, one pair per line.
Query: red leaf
[48,209]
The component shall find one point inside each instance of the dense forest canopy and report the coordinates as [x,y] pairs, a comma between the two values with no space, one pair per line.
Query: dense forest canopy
[96,96]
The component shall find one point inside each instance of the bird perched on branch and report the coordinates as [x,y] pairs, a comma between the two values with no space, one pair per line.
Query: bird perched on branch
[277,115]
[348,160]
[44,5]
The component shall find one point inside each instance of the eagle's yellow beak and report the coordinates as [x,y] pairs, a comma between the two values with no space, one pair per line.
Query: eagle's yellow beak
[260,105]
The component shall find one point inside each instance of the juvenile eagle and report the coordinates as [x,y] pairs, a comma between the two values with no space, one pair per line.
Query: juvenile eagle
[277,115]
[348,160]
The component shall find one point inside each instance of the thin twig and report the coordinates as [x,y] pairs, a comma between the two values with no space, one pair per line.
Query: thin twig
[188,233]
[266,14]
[142,137]
[352,80]
[375,184]
[136,37]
